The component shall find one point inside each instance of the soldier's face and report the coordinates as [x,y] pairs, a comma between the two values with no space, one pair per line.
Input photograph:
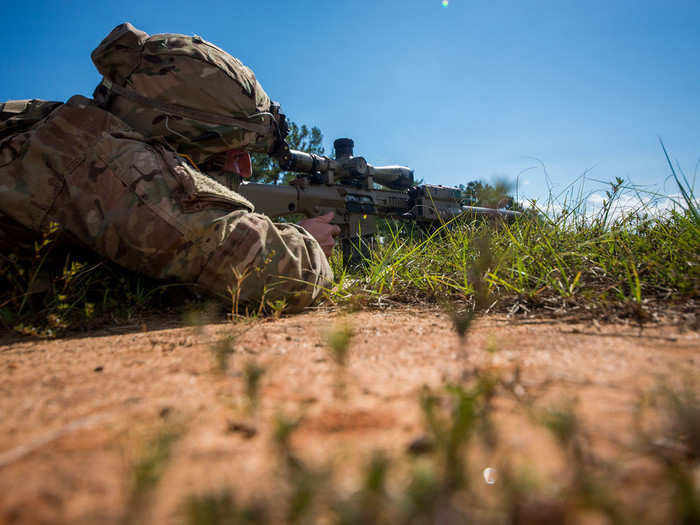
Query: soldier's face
[238,161]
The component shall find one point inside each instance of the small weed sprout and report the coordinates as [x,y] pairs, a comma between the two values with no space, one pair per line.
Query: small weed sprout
[147,472]
[463,317]
[685,411]
[491,344]
[277,307]
[452,427]
[372,503]
[222,351]
[562,423]
[234,290]
[338,340]
[461,321]
[284,428]
[253,374]
[304,483]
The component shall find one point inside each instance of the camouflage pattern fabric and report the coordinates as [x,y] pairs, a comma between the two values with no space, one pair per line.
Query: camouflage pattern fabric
[192,73]
[19,115]
[135,201]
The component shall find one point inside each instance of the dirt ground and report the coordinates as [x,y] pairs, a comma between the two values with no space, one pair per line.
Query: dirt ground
[75,413]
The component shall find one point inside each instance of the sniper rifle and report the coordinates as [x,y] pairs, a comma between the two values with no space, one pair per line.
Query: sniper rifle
[348,186]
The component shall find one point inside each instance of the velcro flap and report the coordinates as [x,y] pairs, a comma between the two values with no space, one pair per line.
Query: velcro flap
[202,191]
[15,106]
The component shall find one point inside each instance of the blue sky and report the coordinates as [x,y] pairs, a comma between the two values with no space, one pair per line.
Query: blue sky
[474,90]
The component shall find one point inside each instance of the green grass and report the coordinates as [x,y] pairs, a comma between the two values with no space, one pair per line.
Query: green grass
[560,258]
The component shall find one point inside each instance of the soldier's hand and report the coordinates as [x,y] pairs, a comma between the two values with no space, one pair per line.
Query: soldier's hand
[321,230]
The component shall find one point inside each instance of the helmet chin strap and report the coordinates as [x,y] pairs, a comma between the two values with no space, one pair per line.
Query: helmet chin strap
[186,139]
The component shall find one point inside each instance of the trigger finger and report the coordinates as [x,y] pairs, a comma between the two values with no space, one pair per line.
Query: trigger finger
[335,230]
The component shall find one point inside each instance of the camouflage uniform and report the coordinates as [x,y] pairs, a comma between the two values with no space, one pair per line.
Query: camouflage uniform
[126,193]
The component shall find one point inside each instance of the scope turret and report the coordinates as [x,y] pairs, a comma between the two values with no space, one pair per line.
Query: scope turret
[343,148]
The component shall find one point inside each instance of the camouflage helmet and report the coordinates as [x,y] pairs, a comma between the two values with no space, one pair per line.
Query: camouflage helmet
[186,89]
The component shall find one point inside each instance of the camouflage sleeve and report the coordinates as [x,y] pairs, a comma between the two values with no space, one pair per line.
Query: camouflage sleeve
[258,259]
[138,203]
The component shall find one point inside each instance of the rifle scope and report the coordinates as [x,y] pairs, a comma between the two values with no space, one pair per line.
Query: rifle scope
[347,168]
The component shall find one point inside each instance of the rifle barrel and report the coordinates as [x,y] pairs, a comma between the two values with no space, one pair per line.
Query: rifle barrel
[480,210]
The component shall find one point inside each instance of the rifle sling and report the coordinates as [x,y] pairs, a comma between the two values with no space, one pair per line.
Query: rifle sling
[182,111]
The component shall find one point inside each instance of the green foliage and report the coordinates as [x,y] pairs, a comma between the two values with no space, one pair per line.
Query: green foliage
[265,169]
[56,288]
[479,193]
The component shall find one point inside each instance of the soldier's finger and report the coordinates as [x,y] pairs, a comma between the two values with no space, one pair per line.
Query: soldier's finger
[326,217]
[335,230]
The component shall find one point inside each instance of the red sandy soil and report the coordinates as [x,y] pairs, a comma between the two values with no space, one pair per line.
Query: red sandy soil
[75,412]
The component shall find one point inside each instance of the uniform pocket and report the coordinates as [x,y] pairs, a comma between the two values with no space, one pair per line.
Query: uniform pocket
[31,176]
